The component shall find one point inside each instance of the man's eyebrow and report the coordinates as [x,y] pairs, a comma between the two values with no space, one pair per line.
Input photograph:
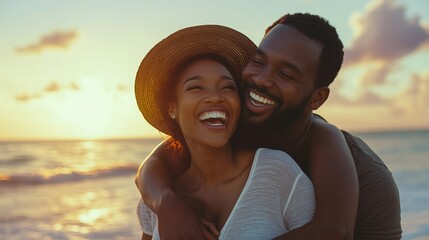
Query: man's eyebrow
[285,63]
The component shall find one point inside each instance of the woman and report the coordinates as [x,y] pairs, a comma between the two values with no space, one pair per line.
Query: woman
[187,87]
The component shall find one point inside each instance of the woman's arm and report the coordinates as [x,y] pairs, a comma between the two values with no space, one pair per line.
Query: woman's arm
[176,220]
[334,177]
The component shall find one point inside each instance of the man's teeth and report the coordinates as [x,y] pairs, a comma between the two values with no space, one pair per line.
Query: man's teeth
[213,115]
[261,99]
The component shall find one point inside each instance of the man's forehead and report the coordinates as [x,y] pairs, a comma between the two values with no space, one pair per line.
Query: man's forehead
[284,39]
[283,33]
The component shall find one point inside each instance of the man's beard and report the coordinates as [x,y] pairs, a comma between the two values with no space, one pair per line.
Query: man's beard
[277,124]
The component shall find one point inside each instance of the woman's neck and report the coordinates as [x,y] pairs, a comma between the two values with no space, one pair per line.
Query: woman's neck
[211,164]
[214,180]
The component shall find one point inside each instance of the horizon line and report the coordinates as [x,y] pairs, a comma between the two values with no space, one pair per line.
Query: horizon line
[162,136]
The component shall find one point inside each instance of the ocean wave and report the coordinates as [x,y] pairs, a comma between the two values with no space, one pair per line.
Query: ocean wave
[17,160]
[62,175]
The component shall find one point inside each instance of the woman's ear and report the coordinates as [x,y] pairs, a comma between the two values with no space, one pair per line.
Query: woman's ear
[319,97]
[172,110]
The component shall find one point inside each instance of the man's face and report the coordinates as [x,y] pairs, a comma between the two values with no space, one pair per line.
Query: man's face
[280,78]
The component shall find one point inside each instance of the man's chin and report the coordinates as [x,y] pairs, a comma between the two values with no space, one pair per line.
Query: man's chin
[269,124]
[252,119]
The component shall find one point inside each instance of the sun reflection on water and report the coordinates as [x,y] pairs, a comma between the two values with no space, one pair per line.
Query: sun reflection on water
[92,215]
[83,200]
[88,211]
[88,145]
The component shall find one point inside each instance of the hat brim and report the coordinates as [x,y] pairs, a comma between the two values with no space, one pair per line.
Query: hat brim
[161,62]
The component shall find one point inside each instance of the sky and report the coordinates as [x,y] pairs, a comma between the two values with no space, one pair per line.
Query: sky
[67,68]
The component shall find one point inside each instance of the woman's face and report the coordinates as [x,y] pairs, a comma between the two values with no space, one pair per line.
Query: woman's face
[207,105]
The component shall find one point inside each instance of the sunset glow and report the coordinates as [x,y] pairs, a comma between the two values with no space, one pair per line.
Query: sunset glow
[67,68]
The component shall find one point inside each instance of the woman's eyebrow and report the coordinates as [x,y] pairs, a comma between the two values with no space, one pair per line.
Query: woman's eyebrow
[193,78]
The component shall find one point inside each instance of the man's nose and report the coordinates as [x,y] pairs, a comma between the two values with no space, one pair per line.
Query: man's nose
[263,78]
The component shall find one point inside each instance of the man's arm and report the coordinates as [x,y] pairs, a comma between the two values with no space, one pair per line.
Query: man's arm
[334,177]
[176,220]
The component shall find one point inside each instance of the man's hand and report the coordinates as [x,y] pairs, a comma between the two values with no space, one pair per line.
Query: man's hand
[176,220]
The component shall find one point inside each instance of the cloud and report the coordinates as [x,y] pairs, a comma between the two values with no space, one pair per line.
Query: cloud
[383,33]
[50,88]
[365,98]
[56,87]
[57,39]
[418,91]
[26,97]
[74,86]
[377,75]
[412,100]
[121,88]
[383,36]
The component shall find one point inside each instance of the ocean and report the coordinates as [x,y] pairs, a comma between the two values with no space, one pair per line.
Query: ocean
[85,189]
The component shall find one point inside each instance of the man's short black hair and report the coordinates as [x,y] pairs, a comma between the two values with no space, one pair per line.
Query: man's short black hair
[319,29]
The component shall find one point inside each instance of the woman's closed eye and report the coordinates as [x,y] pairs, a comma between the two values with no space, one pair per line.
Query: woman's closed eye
[193,88]
[229,86]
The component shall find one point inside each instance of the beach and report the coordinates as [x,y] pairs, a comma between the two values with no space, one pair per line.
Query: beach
[85,189]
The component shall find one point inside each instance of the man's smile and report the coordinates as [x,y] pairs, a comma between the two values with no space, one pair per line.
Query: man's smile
[260,100]
[260,103]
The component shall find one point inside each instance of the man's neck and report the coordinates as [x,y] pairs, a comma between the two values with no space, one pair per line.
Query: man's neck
[293,137]
[290,138]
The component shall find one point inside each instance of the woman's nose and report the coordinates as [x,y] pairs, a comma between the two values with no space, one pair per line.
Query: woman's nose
[213,96]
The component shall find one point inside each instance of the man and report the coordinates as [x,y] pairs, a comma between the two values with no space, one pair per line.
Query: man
[287,79]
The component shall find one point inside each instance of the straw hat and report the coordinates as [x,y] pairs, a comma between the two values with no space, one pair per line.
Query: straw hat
[163,60]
